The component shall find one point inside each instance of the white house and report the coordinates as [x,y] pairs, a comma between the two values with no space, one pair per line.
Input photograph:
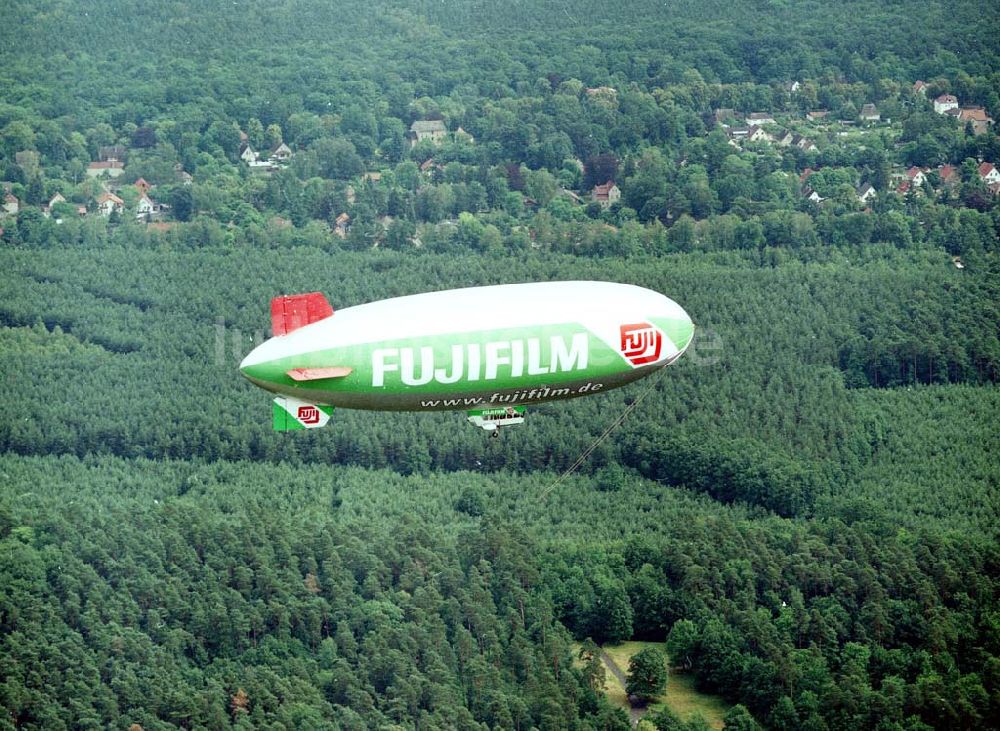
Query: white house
[792,139]
[248,155]
[280,154]
[145,208]
[47,208]
[945,102]
[108,203]
[606,194]
[757,134]
[804,144]
[812,195]
[988,173]
[916,176]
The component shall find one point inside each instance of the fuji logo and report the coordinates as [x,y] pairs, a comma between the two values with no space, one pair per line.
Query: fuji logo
[641,343]
[308,415]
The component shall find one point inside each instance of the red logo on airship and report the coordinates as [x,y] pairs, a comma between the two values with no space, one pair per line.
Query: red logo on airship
[641,343]
[308,415]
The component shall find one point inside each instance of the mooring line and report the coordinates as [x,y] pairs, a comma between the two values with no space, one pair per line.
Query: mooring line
[604,435]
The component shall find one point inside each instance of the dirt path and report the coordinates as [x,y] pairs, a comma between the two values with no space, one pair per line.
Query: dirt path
[635,713]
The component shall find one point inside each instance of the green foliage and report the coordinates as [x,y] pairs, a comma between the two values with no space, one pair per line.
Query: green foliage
[594,672]
[470,503]
[739,719]
[682,643]
[647,674]
[245,600]
[742,471]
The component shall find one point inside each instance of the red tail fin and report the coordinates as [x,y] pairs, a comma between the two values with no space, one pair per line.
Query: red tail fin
[289,313]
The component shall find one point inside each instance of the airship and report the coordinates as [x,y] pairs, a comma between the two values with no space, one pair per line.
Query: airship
[490,351]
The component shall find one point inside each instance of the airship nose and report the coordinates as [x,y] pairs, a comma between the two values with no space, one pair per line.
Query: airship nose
[684,333]
[678,327]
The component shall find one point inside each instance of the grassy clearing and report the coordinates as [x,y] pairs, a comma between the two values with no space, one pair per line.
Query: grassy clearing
[681,696]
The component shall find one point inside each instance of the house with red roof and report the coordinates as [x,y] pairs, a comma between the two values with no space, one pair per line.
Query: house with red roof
[977,117]
[916,175]
[607,194]
[974,114]
[108,203]
[949,175]
[913,179]
[988,173]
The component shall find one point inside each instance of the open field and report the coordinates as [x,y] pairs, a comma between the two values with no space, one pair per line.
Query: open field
[681,696]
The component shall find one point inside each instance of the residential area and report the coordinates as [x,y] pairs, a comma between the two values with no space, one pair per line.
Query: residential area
[432,181]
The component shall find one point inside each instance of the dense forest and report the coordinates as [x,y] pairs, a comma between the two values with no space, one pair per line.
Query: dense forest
[805,508]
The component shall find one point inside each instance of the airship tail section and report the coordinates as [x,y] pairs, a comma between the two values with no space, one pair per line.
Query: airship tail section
[290,414]
[290,312]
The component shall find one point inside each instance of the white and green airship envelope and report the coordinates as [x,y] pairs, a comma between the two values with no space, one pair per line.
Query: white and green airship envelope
[484,350]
